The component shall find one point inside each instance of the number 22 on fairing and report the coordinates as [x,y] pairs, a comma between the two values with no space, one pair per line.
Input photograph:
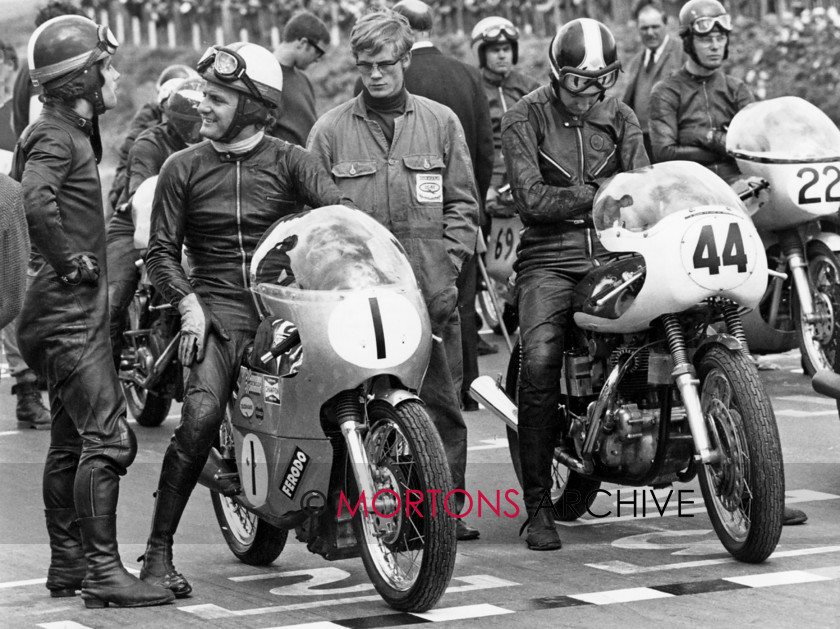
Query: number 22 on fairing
[716,255]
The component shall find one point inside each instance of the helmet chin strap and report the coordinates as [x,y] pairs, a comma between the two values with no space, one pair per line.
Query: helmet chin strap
[248,112]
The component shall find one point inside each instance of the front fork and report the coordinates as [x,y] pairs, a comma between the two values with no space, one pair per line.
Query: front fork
[689,386]
[794,252]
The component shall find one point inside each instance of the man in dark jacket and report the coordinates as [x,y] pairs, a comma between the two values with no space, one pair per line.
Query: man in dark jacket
[453,83]
[14,250]
[63,328]
[215,200]
[559,142]
[145,159]
[661,56]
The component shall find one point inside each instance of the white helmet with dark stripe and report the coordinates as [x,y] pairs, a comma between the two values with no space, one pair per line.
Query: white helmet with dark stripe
[583,58]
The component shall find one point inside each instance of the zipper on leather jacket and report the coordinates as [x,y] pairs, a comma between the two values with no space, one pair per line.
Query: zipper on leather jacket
[242,253]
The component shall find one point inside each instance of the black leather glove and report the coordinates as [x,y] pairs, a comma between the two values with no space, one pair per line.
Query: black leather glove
[86,272]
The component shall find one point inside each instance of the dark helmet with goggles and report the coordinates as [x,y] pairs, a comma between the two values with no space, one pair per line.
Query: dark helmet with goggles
[493,30]
[583,58]
[181,108]
[63,50]
[701,17]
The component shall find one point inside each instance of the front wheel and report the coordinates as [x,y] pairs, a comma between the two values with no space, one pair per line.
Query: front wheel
[744,490]
[818,339]
[409,554]
[253,540]
[571,493]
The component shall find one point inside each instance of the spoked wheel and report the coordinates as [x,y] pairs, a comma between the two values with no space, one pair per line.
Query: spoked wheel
[148,408]
[818,339]
[253,540]
[410,555]
[744,489]
[571,493]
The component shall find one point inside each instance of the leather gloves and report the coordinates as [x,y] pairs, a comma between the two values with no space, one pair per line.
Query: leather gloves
[86,271]
[197,322]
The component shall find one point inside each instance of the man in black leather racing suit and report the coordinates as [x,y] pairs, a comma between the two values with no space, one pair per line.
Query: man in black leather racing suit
[216,199]
[559,142]
[63,329]
[145,159]
[690,111]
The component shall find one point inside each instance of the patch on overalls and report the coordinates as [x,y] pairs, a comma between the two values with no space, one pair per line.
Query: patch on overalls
[429,188]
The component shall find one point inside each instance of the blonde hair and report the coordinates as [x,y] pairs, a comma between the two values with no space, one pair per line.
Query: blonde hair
[374,30]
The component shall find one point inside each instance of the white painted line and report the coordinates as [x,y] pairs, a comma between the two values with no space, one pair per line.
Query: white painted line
[63,624]
[776,578]
[795,413]
[462,613]
[831,572]
[808,399]
[627,595]
[492,444]
[9,432]
[321,624]
[14,584]
[209,611]
[623,567]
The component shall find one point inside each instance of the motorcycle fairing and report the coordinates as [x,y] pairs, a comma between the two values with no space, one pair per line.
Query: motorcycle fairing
[796,148]
[694,236]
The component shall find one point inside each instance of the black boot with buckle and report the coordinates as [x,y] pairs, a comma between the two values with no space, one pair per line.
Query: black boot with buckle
[67,561]
[157,560]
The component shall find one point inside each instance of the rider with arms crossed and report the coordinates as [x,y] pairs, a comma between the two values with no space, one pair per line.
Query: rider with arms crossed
[559,143]
[216,199]
[690,111]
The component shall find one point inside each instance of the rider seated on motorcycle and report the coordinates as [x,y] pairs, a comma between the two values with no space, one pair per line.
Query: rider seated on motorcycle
[559,143]
[148,152]
[216,199]
[691,110]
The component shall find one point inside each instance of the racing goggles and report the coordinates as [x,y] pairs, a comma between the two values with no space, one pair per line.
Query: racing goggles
[228,66]
[578,81]
[705,25]
[496,32]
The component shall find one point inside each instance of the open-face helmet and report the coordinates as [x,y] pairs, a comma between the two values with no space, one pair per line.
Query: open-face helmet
[492,30]
[583,57]
[181,109]
[701,17]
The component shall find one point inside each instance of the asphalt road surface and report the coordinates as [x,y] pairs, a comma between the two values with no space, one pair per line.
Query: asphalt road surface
[633,570]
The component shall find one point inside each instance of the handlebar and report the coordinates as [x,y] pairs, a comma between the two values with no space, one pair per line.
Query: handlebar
[285,345]
[753,189]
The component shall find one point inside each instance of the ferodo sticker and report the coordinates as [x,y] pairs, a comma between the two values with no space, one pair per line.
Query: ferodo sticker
[429,188]
[291,479]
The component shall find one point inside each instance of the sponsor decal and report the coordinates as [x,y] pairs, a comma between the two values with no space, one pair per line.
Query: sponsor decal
[246,407]
[271,390]
[291,479]
[429,188]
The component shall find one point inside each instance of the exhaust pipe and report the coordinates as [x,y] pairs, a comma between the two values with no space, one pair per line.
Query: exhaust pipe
[488,392]
[218,476]
[826,382]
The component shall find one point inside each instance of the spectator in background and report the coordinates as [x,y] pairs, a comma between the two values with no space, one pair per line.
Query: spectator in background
[496,42]
[149,115]
[25,107]
[14,249]
[661,55]
[8,70]
[451,82]
[403,159]
[305,40]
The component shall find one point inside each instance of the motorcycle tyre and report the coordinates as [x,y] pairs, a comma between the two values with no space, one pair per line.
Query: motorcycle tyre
[818,252]
[264,543]
[760,436]
[148,409]
[510,317]
[440,544]
[577,485]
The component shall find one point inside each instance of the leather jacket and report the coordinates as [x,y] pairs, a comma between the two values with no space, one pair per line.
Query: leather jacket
[218,206]
[689,116]
[145,159]
[57,152]
[556,160]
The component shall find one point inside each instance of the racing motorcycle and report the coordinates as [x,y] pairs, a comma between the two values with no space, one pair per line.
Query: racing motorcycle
[651,393]
[324,433]
[795,147]
[149,371]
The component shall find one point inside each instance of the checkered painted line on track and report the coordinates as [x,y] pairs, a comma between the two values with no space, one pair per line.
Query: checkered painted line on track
[608,597]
